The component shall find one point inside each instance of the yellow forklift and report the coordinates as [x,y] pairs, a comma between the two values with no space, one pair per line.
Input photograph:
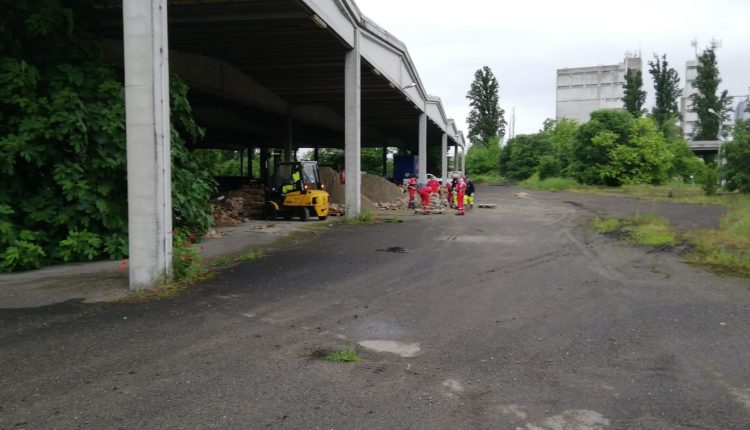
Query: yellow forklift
[295,190]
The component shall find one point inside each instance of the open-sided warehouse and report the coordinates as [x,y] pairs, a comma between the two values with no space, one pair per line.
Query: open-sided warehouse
[263,74]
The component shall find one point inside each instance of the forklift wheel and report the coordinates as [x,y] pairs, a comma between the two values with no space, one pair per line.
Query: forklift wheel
[304,214]
[269,212]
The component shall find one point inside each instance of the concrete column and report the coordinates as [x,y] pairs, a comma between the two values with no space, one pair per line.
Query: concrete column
[242,163]
[422,179]
[444,158]
[463,161]
[147,141]
[288,139]
[264,165]
[455,157]
[250,162]
[353,128]
[385,161]
[316,153]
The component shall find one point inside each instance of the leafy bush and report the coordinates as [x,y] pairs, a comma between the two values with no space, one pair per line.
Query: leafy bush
[549,166]
[186,262]
[520,157]
[62,145]
[709,180]
[483,159]
[614,148]
[595,140]
[736,171]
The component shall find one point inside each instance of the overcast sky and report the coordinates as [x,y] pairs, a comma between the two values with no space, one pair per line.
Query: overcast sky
[525,42]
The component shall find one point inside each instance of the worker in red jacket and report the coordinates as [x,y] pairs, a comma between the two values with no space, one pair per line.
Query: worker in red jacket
[411,187]
[460,192]
[449,187]
[433,186]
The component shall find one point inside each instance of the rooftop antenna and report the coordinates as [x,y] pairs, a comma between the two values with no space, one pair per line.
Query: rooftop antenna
[694,44]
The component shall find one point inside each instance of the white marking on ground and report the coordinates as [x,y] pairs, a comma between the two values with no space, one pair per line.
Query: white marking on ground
[405,350]
[479,239]
[249,315]
[517,411]
[453,385]
[575,419]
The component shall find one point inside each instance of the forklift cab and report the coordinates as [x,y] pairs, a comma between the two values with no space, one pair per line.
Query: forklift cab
[296,190]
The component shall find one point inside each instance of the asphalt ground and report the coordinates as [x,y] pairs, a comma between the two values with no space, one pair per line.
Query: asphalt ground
[517,317]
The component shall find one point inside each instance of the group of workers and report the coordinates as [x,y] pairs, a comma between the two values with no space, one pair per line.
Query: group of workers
[460,192]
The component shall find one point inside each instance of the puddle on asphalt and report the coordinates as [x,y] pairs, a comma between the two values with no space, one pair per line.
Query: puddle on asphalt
[405,350]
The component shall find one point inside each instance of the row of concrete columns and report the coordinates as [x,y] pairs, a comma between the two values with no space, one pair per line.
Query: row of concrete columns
[148,145]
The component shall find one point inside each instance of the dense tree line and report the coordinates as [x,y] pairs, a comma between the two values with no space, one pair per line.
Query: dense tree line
[616,147]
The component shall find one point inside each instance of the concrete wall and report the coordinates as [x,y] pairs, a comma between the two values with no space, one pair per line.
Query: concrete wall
[582,90]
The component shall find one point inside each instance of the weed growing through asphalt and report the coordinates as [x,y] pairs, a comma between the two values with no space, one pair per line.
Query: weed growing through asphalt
[367,216]
[650,230]
[606,225]
[251,255]
[187,265]
[340,355]
[222,262]
[728,247]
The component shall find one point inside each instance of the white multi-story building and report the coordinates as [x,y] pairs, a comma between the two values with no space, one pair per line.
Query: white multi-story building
[689,118]
[582,90]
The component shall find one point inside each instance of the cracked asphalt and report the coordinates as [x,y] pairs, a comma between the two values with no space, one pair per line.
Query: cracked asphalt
[516,317]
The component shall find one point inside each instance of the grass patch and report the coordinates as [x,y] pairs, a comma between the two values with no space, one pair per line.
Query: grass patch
[366,216]
[650,230]
[727,248]
[340,355]
[251,255]
[222,262]
[165,291]
[489,178]
[549,184]
[606,225]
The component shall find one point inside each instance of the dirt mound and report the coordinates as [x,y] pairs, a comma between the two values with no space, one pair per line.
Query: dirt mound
[374,189]
[237,205]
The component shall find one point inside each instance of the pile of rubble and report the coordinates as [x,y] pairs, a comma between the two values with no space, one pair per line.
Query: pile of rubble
[237,206]
[377,193]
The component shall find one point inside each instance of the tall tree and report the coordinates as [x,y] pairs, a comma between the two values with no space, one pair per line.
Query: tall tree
[667,89]
[485,120]
[634,97]
[707,83]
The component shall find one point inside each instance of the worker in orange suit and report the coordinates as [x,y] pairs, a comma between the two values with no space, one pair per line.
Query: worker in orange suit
[411,187]
[460,193]
[433,186]
[449,187]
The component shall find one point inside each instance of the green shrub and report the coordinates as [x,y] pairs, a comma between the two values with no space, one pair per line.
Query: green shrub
[549,166]
[62,144]
[736,171]
[709,180]
[186,261]
[483,159]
